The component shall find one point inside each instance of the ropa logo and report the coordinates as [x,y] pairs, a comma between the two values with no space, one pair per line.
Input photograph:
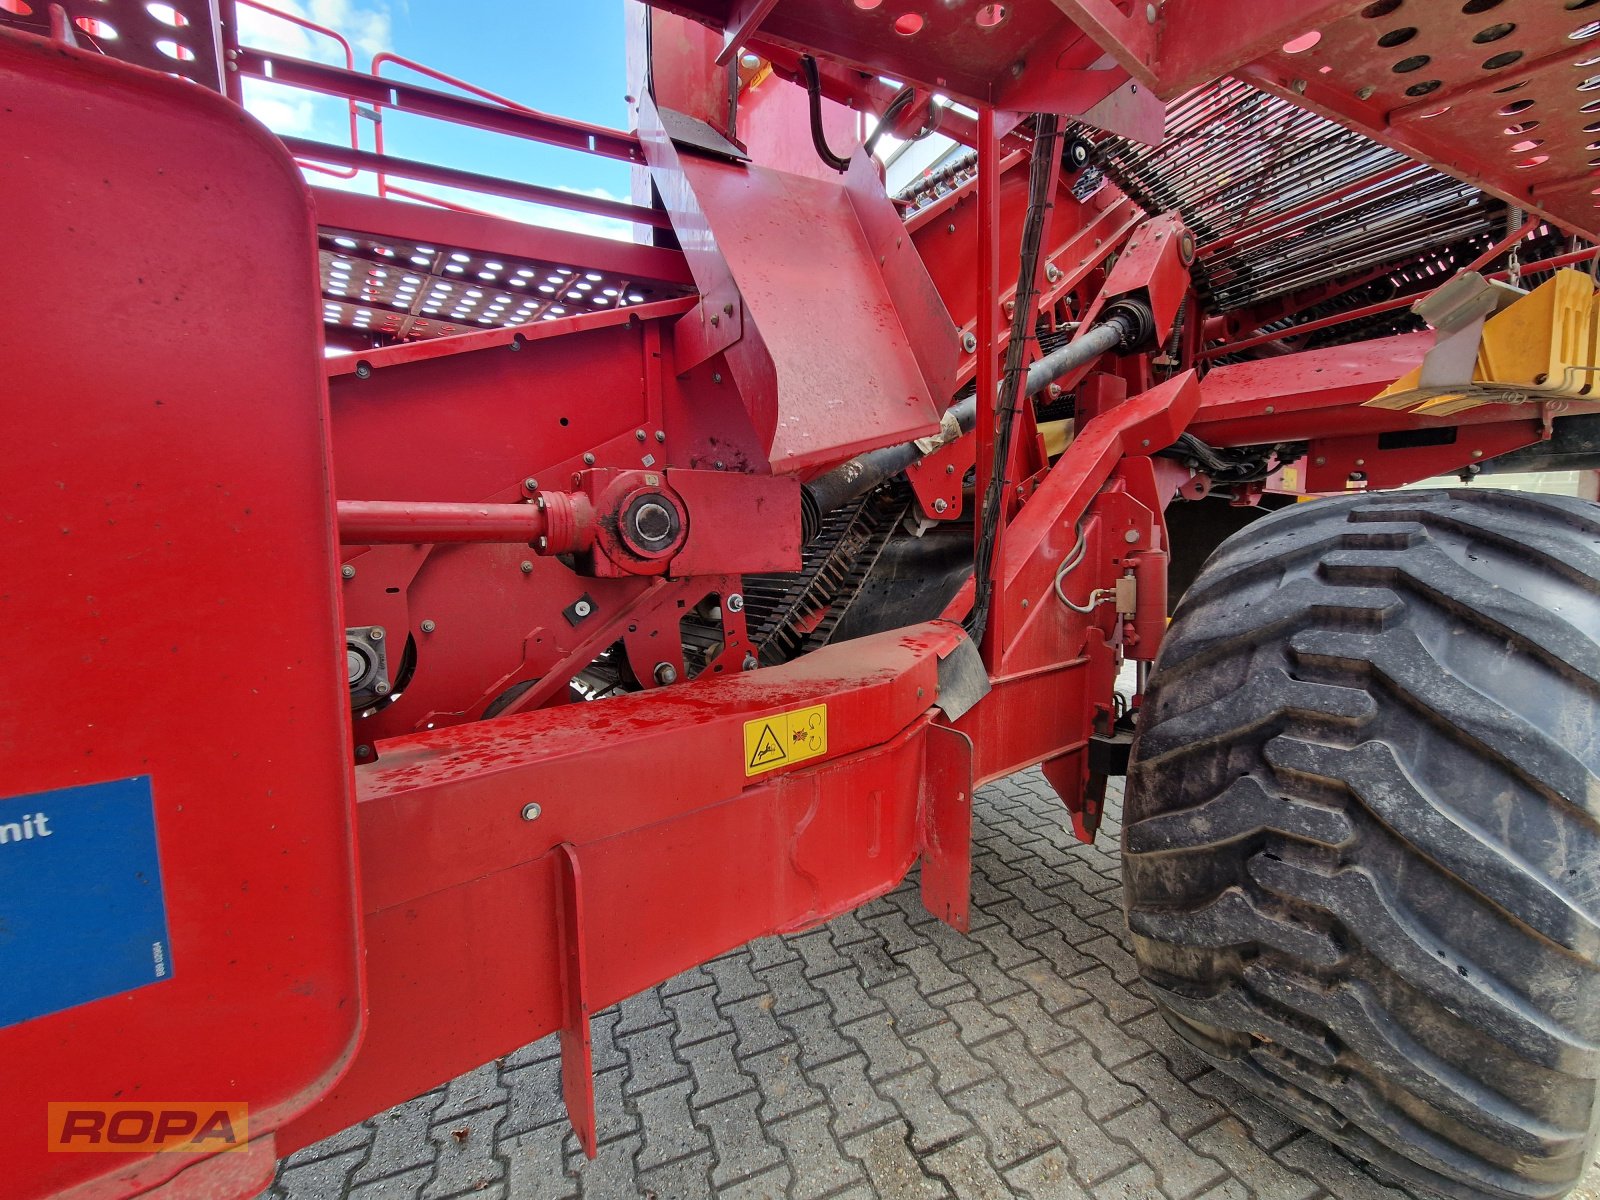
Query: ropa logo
[146,1128]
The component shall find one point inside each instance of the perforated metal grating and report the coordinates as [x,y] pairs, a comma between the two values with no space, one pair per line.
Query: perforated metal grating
[1506,91]
[177,37]
[406,290]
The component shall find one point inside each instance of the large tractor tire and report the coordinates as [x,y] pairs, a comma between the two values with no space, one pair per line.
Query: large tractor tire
[1362,830]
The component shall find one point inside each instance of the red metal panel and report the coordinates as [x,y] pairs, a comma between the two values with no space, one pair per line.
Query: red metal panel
[1369,461]
[687,856]
[177,37]
[822,361]
[169,599]
[1022,56]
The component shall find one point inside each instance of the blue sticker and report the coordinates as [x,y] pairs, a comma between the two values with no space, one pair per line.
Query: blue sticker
[82,913]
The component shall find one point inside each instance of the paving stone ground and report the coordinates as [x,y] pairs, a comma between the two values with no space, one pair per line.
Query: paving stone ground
[882,1055]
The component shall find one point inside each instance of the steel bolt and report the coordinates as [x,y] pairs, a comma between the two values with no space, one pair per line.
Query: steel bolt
[716,377]
[363,371]
[969,342]
[530,812]
[347,571]
[1271,408]
[527,567]
[717,464]
[639,434]
[1131,536]
[661,435]
[382,689]
[1024,604]
[950,469]
[941,505]
[363,751]
[666,673]
[588,460]
[428,627]
[375,633]
[735,602]
[1321,461]
[530,484]
[1144,441]
[1052,272]
[1477,454]
[1361,462]
[582,608]
[727,309]
[950,228]
[750,662]
[715,320]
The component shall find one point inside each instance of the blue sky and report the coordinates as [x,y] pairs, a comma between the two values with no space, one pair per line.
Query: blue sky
[564,57]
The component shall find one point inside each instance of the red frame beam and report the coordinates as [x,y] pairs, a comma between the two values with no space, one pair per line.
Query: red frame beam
[426,102]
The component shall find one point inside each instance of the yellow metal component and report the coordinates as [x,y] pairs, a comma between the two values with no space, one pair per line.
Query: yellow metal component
[1546,344]
[1057,436]
[1543,340]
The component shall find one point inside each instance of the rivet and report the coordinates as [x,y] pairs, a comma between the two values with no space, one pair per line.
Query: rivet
[1477,454]
[1271,408]
[1321,461]
[661,435]
[1131,536]
[1144,442]
[639,434]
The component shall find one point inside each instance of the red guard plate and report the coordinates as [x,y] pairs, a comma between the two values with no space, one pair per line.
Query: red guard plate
[169,609]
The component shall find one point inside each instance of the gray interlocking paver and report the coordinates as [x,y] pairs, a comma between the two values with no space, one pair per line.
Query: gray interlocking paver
[881,1056]
[812,1148]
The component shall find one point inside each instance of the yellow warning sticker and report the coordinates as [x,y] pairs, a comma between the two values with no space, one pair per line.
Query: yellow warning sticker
[785,738]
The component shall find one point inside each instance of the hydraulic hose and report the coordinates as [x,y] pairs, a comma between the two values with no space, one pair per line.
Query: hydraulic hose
[859,475]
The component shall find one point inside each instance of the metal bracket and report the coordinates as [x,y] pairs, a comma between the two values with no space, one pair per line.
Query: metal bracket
[577,1051]
[946,820]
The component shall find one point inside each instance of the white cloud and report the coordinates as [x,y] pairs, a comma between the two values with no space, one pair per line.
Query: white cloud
[367,26]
